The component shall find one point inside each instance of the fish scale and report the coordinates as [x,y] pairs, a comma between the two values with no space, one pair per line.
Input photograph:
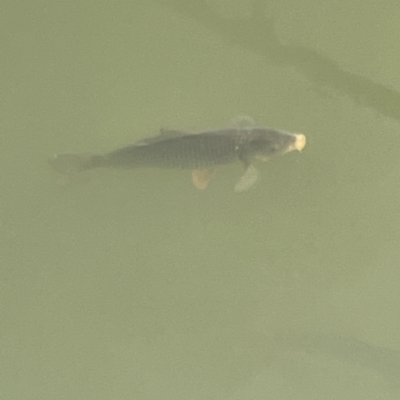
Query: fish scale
[187,152]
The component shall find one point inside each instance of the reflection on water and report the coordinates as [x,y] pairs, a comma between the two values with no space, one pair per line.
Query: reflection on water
[256,33]
[381,360]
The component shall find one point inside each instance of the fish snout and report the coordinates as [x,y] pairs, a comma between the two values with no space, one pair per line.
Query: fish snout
[299,142]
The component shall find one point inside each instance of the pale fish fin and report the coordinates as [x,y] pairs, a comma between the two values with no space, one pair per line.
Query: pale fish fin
[172,133]
[248,179]
[164,134]
[201,178]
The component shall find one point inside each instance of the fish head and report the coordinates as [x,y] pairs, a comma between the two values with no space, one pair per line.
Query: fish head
[267,143]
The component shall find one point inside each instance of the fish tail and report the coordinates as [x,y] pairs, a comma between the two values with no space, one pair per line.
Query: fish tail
[69,164]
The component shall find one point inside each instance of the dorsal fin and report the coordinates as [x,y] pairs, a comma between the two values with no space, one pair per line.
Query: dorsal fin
[171,133]
[164,134]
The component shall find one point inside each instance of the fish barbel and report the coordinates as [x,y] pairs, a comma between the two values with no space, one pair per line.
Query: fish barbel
[199,152]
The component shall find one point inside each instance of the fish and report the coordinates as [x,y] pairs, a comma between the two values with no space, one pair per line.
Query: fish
[199,152]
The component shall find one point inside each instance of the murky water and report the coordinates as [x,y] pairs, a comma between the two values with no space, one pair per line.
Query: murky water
[135,285]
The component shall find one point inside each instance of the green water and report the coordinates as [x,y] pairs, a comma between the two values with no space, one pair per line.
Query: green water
[134,285]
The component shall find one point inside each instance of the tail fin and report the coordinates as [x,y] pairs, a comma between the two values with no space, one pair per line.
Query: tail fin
[69,164]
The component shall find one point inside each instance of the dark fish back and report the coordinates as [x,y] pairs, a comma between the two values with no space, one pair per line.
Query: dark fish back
[186,151]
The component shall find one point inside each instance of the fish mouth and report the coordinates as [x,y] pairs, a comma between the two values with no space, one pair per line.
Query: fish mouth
[298,143]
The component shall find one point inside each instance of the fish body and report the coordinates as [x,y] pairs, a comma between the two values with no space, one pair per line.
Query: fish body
[199,152]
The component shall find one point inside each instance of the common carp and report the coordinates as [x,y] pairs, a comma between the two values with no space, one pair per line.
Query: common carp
[199,152]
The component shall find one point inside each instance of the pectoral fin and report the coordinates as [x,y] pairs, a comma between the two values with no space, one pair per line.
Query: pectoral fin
[201,178]
[248,179]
